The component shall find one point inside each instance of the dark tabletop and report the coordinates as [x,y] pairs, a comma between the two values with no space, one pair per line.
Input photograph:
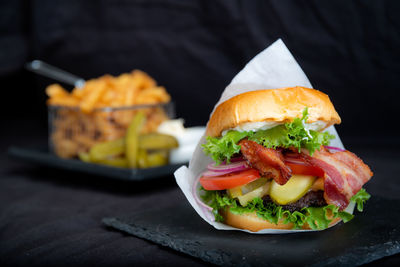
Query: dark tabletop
[348,49]
[53,217]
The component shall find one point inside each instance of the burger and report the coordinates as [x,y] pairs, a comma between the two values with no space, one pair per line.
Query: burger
[273,166]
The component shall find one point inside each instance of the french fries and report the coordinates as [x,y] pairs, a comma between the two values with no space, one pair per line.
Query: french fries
[128,89]
[102,111]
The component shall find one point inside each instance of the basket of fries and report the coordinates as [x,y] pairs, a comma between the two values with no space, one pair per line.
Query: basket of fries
[102,110]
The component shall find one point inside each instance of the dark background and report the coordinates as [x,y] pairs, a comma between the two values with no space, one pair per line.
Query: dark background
[348,49]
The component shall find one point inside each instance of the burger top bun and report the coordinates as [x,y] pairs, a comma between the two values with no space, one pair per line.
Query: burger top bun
[273,105]
[251,222]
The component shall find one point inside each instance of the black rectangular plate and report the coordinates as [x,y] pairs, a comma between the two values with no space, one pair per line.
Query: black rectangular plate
[44,157]
[371,235]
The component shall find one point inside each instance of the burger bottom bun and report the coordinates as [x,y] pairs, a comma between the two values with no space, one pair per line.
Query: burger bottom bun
[251,222]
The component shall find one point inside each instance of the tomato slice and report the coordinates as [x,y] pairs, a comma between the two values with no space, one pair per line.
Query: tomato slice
[230,180]
[305,169]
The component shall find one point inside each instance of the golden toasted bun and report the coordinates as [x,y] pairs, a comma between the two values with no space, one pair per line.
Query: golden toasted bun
[274,105]
[251,222]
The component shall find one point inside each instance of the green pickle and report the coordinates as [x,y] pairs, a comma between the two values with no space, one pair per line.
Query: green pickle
[85,157]
[153,159]
[132,139]
[142,158]
[114,162]
[153,141]
[248,192]
[158,158]
[258,192]
[135,150]
[244,189]
[253,185]
[293,190]
[107,149]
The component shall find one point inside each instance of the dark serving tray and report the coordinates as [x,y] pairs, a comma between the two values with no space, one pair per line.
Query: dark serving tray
[371,235]
[44,157]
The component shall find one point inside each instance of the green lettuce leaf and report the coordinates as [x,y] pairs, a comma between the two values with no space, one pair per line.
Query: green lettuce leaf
[220,149]
[346,217]
[293,134]
[318,218]
[360,198]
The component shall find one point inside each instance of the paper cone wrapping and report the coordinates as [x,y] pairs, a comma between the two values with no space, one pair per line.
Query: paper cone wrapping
[275,67]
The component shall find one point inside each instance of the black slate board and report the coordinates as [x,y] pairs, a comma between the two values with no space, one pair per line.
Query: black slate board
[44,157]
[371,235]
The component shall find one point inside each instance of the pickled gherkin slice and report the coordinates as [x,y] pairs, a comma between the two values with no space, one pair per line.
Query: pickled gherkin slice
[153,159]
[134,150]
[244,189]
[142,158]
[253,185]
[293,190]
[114,162]
[85,157]
[235,192]
[158,158]
[107,149]
[157,141]
[132,139]
[258,192]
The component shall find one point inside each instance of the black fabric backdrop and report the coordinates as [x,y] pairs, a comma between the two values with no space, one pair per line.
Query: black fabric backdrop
[348,49]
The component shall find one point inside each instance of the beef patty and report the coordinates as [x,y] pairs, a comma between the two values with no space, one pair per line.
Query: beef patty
[311,199]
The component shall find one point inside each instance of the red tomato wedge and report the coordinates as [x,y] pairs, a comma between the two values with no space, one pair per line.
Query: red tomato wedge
[305,169]
[230,180]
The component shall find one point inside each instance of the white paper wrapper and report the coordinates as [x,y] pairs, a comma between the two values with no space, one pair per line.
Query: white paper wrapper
[274,67]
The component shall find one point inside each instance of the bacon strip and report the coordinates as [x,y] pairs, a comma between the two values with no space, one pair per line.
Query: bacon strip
[345,174]
[269,162]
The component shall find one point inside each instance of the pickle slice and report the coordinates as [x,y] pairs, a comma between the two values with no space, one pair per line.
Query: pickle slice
[85,157]
[157,141]
[235,192]
[153,159]
[114,162]
[132,139]
[142,158]
[244,189]
[253,185]
[258,192]
[107,149]
[158,158]
[293,190]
